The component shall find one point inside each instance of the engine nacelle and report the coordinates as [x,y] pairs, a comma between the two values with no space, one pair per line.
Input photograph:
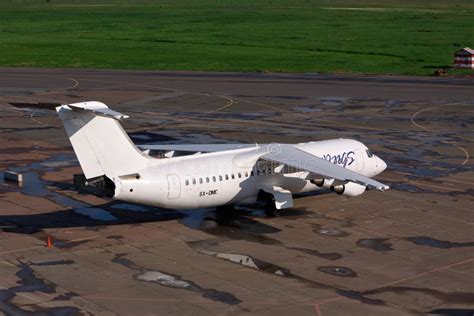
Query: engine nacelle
[349,189]
[323,183]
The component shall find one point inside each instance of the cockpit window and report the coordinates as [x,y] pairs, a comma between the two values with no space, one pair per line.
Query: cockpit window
[369,153]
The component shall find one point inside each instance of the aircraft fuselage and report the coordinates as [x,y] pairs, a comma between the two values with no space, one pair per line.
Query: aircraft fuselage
[235,176]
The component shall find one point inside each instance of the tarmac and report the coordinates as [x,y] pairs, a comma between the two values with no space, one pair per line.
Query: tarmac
[406,251]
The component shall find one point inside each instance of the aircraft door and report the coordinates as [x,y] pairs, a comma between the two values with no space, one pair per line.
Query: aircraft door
[174,187]
[359,160]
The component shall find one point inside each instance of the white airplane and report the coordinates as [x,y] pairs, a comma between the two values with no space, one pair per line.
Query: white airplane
[214,175]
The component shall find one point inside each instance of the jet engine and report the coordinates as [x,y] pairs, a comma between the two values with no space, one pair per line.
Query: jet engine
[349,189]
[323,183]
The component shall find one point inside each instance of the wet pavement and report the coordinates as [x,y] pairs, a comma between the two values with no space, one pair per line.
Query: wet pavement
[405,251]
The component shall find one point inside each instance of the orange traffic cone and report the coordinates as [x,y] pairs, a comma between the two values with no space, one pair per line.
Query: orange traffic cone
[49,242]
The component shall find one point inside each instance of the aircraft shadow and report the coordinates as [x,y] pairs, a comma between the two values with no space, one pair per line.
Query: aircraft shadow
[72,218]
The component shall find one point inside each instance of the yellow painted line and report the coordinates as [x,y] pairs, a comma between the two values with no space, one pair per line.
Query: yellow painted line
[332,123]
[422,184]
[412,120]
[75,85]
[7,263]
[442,179]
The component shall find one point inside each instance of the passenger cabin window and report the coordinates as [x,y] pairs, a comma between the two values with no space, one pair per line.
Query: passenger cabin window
[251,173]
[232,175]
[240,175]
[220,178]
[227,177]
[186,182]
[246,174]
[194,181]
[369,153]
[213,179]
[200,180]
[207,179]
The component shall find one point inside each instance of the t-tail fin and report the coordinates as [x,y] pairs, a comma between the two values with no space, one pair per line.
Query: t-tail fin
[99,141]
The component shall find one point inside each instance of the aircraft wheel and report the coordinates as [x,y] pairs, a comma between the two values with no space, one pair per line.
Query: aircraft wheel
[270,209]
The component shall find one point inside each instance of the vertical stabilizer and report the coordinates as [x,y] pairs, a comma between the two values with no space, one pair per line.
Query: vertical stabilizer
[99,141]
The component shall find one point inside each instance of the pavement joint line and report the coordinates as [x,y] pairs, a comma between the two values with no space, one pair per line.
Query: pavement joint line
[443,179]
[200,301]
[428,272]
[42,246]
[330,300]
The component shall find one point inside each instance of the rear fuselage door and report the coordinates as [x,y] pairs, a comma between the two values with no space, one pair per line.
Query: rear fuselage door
[174,187]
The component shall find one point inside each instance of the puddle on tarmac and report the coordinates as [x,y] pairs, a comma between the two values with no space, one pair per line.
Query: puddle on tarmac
[377,244]
[394,103]
[332,232]
[167,280]
[452,312]
[52,263]
[141,138]
[435,243]
[339,271]
[454,297]
[203,247]
[176,137]
[406,187]
[307,109]
[356,295]
[175,281]
[30,283]
[312,252]
[33,185]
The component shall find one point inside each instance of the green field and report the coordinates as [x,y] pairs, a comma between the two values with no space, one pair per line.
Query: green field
[400,37]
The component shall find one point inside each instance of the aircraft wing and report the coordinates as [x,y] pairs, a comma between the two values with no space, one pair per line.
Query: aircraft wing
[196,147]
[292,156]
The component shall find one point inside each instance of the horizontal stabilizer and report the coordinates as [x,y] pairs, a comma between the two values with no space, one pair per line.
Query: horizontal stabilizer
[97,108]
[40,105]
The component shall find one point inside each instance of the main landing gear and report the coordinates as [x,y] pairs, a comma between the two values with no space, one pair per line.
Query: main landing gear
[269,204]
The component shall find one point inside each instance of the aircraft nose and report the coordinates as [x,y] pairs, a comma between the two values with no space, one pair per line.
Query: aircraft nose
[380,165]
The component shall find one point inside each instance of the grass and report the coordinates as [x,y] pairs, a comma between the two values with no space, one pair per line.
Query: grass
[344,36]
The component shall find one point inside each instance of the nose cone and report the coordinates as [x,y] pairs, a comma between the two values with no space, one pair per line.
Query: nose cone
[380,165]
